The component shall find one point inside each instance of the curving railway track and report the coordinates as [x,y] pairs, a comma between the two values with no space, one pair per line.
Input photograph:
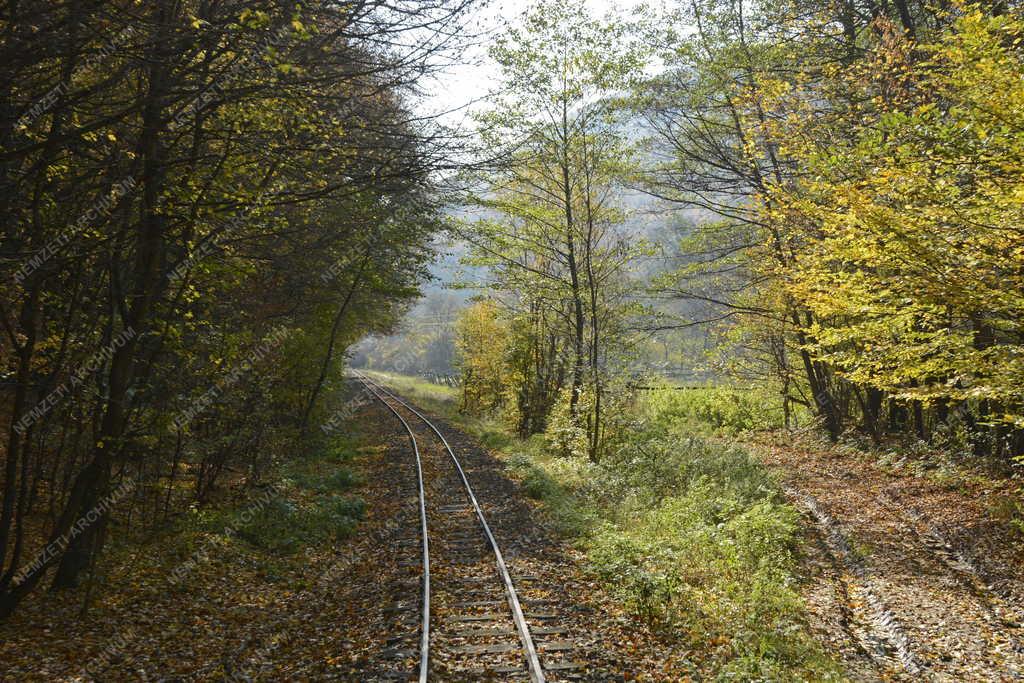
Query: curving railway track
[472,625]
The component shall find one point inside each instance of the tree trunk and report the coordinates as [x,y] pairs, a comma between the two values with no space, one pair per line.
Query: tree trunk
[906,19]
[14,435]
[329,354]
[92,483]
[823,401]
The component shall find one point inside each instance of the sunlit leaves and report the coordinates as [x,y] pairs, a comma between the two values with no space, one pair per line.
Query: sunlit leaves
[917,277]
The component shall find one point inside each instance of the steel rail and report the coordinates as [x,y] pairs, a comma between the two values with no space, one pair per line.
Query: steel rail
[425,628]
[532,660]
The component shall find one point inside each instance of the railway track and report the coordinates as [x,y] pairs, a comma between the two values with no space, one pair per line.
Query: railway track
[473,623]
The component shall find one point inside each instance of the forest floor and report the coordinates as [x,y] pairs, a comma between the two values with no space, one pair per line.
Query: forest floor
[206,601]
[249,587]
[907,573]
[912,573]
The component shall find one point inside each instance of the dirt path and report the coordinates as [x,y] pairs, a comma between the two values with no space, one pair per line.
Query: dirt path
[908,579]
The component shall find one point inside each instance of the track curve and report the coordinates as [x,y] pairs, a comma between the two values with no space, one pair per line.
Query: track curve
[425,539]
[529,649]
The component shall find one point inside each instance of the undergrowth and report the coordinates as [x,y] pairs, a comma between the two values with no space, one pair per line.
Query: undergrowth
[694,538]
[309,505]
[727,410]
[948,459]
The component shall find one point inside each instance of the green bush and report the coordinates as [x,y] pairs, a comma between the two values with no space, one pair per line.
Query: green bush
[693,536]
[338,451]
[699,543]
[552,480]
[283,527]
[729,410]
[338,480]
[537,483]
[310,509]
[641,574]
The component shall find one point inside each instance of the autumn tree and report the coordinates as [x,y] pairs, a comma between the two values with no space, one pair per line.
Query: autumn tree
[840,152]
[551,234]
[481,350]
[914,277]
[708,151]
[182,186]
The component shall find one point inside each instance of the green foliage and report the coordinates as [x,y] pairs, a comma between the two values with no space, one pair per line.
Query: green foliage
[202,175]
[311,509]
[565,433]
[340,479]
[550,223]
[285,527]
[861,183]
[553,479]
[723,409]
[691,535]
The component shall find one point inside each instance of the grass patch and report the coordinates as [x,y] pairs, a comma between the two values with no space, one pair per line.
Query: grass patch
[727,410]
[284,527]
[312,508]
[555,481]
[309,505]
[694,537]
[436,398]
[1009,509]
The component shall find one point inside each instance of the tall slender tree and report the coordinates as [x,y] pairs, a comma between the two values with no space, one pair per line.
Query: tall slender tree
[556,244]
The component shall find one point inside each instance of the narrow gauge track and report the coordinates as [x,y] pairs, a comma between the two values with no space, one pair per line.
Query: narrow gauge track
[470,578]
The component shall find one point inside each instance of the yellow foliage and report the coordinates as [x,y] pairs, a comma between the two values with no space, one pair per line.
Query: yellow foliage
[906,228]
[481,347]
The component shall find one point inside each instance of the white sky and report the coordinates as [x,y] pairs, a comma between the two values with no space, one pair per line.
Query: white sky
[462,84]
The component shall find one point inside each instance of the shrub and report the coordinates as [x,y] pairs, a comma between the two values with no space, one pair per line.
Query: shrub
[340,479]
[729,410]
[284,527]
[693,536]
[311,509]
